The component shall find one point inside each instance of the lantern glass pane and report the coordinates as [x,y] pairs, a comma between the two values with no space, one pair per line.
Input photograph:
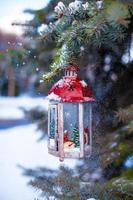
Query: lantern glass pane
[52,125]
[71,126]
[86,120]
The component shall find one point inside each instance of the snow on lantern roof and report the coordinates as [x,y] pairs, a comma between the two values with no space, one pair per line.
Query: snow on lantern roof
[84,84]
[70,89]
[53,97]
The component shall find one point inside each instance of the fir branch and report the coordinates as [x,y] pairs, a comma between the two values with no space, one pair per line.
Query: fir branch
[124,115]
[50,75]
[81,24]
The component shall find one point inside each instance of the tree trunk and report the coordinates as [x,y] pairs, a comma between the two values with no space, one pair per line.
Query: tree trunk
[11,82]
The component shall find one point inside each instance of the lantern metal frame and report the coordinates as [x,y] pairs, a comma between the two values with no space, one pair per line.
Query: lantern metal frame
[59,132]
[57,149]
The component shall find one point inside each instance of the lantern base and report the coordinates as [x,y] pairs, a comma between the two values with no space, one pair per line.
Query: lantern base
[61,159]
[53,152]
[73,155]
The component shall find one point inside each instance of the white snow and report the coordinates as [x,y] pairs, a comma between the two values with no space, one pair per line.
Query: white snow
[60,8]
[91,199]
[107,67]
[129,162]
[128,55]
[52,142]
[82,48]
[72,150]
[10,107]
[85,6]
[43,28]
[54,97]
[67,114]
[18,146]
[83,83]
[112,145]
[113,77]
[99,4]
[75,6]
[60,82]
[96,175]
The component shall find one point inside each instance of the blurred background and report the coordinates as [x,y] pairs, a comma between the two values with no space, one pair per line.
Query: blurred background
[20,68]
[24,57]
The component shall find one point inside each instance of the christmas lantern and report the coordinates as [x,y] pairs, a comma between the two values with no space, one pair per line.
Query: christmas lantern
[70,117]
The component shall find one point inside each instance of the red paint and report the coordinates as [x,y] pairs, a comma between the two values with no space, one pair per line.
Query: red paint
[86,130]
[70,89]
[66,137]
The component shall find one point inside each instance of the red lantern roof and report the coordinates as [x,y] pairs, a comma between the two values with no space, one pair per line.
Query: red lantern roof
[71,89]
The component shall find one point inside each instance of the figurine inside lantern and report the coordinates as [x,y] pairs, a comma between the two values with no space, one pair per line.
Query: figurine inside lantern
[70,117]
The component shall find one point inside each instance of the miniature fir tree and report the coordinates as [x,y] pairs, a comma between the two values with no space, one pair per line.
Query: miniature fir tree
[52,129]
[76,136]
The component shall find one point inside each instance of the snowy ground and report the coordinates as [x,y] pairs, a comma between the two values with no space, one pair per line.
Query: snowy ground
[10,108]
[19,146]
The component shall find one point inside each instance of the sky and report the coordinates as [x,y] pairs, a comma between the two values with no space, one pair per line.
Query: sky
[12,10]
